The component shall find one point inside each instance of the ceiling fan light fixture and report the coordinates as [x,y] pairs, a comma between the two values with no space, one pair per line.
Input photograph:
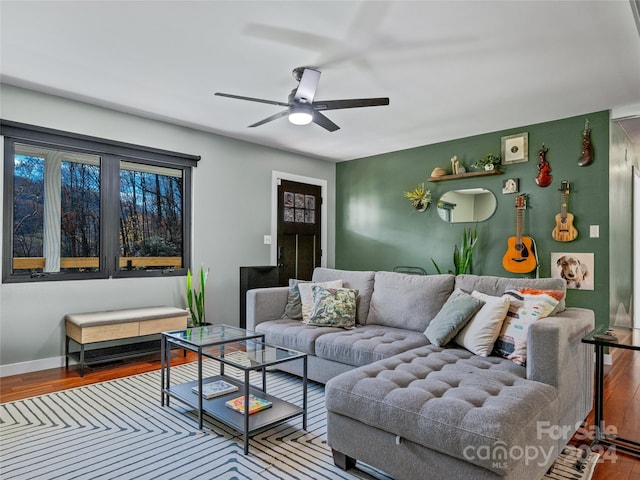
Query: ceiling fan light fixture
[301,114]
[301,107]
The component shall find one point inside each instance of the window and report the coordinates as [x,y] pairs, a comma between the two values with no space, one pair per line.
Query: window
[150,217]
[78,207]
[56,210]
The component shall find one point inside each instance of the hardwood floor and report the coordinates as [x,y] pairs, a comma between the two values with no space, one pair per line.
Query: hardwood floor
[622,397]
[621,411]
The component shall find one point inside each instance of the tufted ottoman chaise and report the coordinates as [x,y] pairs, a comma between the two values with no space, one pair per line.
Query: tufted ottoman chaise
[417,411]
[472,416]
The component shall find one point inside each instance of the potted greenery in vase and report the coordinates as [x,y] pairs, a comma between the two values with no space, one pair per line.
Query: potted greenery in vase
[419,197]
[488,162]
[195,299]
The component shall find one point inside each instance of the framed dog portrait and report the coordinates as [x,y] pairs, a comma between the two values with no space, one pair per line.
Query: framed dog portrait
[511,185]
[576,269]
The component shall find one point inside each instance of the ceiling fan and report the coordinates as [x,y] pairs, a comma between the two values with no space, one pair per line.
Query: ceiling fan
[301,107]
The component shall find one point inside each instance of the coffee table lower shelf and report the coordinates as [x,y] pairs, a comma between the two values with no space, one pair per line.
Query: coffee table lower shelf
[280,410]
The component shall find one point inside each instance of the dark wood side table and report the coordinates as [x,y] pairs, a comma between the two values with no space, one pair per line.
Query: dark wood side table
[624,338]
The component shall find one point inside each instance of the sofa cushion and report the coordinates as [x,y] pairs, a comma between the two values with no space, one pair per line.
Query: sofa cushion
[360,281]
[454,314]
[367,343]
[447,400]
[526,306]
[408,301]
[293,334]
[334,307]
[481,332]
[496,286]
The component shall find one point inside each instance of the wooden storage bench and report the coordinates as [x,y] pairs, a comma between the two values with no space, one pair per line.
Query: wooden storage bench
[93,327]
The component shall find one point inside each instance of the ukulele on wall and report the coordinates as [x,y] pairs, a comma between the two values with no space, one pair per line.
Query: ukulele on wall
[521,252]
[564,230]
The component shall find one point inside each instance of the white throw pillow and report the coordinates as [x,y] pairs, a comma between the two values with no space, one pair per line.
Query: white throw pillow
[479,335]
[306,295]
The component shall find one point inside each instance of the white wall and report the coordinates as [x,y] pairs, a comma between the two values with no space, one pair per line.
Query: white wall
[232,213]
[636,247]
[622,158]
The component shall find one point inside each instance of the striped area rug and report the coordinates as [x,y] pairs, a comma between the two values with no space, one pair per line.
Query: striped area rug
[573,464]
[118,430]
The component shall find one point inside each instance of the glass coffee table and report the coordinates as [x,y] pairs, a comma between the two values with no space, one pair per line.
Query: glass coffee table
[240,349]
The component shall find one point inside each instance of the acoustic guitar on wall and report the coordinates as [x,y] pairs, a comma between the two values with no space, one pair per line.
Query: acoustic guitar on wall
[520,256]
[564,230]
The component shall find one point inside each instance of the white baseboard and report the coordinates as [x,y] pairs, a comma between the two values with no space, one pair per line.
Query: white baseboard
[31,366]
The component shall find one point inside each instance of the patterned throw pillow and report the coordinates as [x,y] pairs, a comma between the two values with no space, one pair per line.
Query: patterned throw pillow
[334,307]
[306,295]
[527,306]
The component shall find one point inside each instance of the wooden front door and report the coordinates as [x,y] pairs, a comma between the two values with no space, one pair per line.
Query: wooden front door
[299,231]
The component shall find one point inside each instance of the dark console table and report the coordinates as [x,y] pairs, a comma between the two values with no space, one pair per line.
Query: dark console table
[256,277]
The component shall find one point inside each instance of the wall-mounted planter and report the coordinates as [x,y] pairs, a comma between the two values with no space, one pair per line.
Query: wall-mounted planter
[421,206]
[419,197]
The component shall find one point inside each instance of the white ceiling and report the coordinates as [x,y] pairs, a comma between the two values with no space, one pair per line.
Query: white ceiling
[450,68]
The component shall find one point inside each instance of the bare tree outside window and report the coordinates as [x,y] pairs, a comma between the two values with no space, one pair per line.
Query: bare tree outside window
[150,217]
[28,206]
[56,210]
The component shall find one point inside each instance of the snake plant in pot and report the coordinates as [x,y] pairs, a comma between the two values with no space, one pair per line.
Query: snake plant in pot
[195,298]
[463,256]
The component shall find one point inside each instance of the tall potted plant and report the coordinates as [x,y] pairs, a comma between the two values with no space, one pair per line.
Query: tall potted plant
[463,256]
[195,298]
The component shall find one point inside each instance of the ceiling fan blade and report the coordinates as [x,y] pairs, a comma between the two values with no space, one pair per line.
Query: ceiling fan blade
[324,122]
[308,85]
[251,99]
[278,115]
[352,103]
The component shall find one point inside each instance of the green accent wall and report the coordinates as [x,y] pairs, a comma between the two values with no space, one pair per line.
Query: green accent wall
[377,229]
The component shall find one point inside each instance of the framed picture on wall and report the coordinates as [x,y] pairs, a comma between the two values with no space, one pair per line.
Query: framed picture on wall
[511,185]
[515,148]
[576,269]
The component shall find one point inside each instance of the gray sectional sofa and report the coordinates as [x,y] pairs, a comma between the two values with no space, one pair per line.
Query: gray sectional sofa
[416,410]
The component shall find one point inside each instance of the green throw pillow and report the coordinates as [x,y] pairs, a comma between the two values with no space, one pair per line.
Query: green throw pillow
[335,307]
[452,317]
[293,309]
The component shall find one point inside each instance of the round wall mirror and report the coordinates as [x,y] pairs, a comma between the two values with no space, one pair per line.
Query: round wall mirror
[470,205]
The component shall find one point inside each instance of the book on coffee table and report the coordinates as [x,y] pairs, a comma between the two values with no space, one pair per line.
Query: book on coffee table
[255,404]
[215,389]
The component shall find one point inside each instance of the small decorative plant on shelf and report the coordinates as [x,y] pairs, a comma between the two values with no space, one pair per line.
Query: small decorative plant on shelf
[419,197]
[195,299]
[462,257]
[488,162]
